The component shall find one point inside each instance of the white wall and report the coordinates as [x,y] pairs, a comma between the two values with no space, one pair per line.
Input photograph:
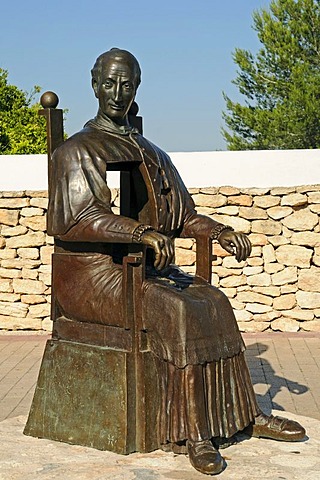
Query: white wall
[252,168]
[23,172]
[265,168]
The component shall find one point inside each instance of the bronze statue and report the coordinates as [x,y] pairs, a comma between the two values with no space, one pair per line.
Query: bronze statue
[206,390]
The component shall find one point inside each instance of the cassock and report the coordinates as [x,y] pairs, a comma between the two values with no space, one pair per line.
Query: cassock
[206,390]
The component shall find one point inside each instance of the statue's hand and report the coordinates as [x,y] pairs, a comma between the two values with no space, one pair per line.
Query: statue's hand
[235,243]
[163,247]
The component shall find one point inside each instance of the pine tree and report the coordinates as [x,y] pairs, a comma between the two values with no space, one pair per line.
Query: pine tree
[22,131]
[281,82]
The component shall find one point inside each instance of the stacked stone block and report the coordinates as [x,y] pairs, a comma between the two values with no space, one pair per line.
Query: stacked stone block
[276,289]
[25,261]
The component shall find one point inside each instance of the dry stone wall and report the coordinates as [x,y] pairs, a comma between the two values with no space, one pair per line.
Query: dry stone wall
[277,288]
[25,261]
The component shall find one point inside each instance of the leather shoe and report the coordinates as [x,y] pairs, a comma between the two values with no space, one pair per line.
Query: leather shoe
[205,458]
[276,428]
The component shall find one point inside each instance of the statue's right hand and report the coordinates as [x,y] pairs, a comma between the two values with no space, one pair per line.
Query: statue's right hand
[163,247]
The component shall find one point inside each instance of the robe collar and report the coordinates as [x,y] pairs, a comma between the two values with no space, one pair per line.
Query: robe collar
[107,125]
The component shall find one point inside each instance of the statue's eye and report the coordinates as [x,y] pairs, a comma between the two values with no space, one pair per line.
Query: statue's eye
[127,86]
[108,84]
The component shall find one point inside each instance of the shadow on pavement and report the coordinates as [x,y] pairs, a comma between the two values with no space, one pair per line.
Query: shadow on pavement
[262,373]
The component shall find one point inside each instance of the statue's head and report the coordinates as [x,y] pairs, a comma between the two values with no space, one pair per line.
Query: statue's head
[116,76]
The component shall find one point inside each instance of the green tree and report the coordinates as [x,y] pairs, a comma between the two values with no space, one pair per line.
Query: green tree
[22,131]
[281,82]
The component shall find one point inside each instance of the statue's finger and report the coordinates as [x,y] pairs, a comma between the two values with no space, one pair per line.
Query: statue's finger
[171,252]
[163,254]
[163,261]
[244,247]
[157,260]
[239,249]
[227,246]
[248,246]
[158,254]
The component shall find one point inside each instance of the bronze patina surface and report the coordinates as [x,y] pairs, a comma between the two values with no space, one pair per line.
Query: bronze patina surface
[156,353]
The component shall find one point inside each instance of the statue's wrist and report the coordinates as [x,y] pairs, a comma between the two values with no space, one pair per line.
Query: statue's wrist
[218,229]
[139,231]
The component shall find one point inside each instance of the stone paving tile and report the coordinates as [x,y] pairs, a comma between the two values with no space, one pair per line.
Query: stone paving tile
[291,366]
[20,357]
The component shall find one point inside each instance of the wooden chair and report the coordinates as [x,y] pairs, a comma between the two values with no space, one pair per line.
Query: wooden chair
[98,384]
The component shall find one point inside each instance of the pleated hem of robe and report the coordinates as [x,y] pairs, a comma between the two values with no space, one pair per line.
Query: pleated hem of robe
[200,402]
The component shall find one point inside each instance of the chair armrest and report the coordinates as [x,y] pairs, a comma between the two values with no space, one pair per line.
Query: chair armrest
[204,258]
[133,275]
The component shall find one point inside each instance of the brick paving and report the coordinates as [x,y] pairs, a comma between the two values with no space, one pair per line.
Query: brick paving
[20,358]
[285,370]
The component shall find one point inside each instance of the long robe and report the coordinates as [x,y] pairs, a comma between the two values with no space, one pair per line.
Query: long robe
[192,331]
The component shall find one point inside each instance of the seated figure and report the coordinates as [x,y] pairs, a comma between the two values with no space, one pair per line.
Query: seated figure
[206,390]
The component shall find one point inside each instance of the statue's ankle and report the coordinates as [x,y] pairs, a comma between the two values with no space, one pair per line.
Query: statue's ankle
[175,447]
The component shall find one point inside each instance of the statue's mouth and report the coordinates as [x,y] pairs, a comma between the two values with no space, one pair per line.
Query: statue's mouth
[116,107]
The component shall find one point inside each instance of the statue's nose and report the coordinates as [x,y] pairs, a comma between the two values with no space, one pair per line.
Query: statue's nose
[118,93]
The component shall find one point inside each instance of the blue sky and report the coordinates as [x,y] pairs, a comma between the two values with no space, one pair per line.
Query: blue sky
[184,48]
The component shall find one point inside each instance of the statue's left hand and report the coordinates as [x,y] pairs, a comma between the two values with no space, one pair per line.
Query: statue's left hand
[235,243]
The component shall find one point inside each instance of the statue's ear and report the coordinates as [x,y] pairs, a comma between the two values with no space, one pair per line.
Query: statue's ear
[94,84]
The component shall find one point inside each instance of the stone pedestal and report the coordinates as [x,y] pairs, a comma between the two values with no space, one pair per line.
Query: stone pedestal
[90,395]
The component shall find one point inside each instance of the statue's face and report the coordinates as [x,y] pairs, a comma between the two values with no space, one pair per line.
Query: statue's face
[115,89]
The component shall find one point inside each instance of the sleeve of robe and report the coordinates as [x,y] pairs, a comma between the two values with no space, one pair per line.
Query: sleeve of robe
[80,200]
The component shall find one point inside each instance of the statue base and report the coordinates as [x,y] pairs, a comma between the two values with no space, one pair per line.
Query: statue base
[96,397]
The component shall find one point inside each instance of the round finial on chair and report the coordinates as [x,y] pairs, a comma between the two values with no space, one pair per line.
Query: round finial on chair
[49,100]
[134,109]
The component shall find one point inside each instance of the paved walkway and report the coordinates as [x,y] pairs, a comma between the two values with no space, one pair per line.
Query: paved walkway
[29,458]
[285,370]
